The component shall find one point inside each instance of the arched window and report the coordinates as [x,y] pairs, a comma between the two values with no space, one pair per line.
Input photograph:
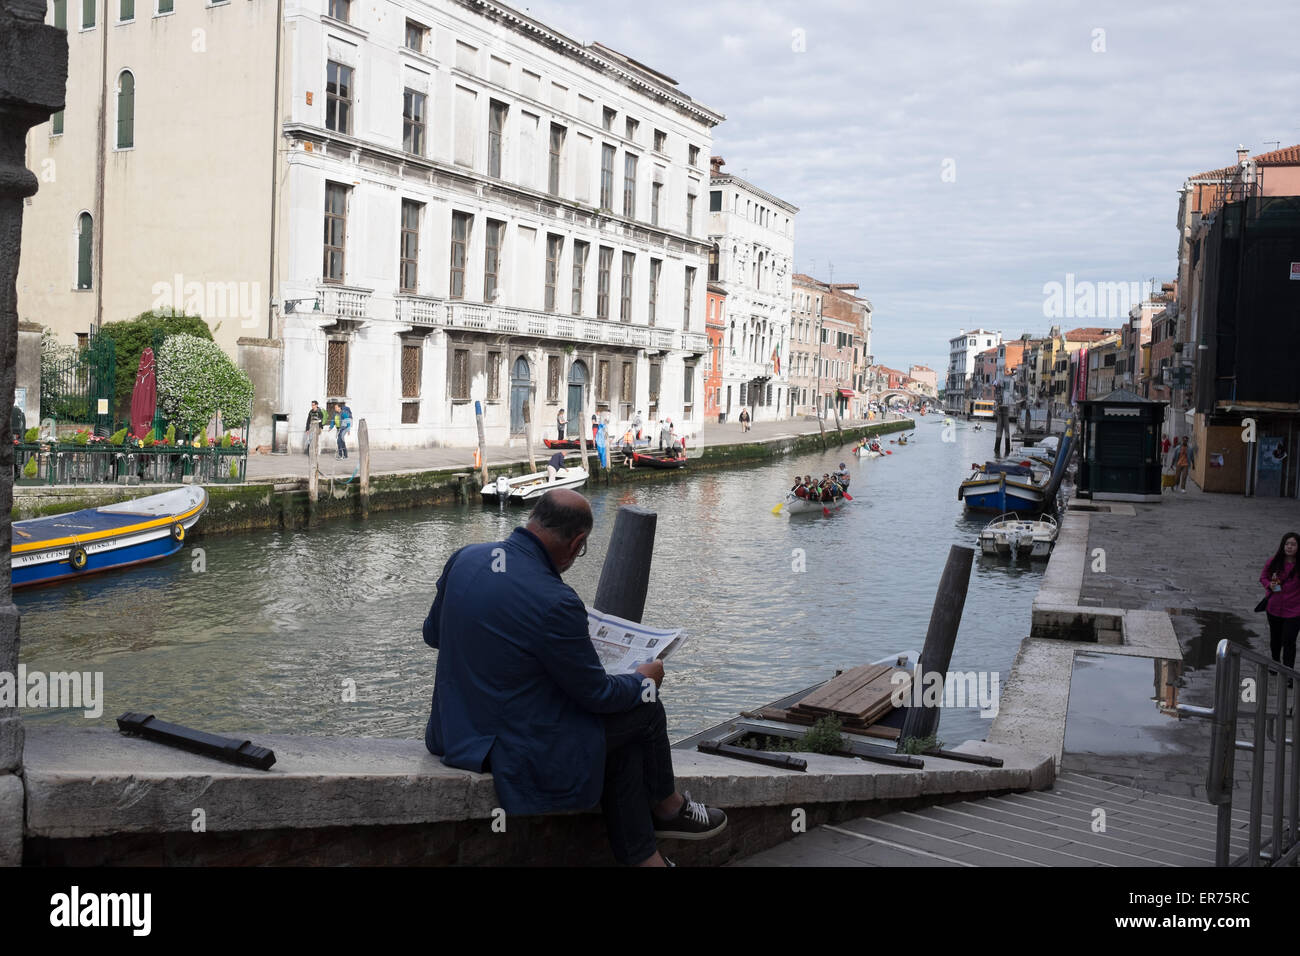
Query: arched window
[85,248]
[125,110]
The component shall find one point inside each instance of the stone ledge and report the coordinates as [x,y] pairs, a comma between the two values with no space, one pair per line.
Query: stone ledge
[97,782]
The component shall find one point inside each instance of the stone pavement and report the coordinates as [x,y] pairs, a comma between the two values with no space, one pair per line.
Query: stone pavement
[388,460]
[1197,557]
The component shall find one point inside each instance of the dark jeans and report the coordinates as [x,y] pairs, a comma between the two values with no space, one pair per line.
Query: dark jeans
[638,775]
[1282,633]
[343,448]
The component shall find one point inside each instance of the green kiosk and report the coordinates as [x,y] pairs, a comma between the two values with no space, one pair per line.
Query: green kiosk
[1120,448]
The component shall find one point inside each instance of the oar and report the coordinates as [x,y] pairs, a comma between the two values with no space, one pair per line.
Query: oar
[777,509]
[826,512]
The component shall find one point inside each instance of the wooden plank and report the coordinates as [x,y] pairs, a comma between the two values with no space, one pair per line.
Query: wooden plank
[828,696]
[867,697]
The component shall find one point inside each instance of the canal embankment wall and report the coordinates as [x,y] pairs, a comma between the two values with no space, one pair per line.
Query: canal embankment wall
[96,797]
[276,503]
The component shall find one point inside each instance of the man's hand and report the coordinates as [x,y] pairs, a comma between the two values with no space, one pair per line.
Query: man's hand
[652,669]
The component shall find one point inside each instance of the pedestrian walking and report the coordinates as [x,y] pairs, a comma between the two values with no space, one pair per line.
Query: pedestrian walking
[315,416]
[1282,599]
[1181,459]
[561,420]
[744,419]
[345,426]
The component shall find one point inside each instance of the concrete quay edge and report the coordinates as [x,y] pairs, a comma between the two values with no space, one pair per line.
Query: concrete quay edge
[97,782]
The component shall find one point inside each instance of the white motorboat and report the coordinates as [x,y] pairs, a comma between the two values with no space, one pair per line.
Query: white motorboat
[531,487]
[1010,536]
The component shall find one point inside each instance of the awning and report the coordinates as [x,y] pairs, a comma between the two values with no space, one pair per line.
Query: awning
[848,393]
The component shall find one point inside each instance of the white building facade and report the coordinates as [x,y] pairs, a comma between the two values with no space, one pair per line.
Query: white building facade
[962,349]
[469,210]
[752,257]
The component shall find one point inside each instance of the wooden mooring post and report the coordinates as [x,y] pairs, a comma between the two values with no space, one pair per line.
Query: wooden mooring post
[821,427]
[936,655]
[1002,434]
[363,449]
[482,444]
[625,575]
[839,431]
[528,437]
[582,440]
[313,464]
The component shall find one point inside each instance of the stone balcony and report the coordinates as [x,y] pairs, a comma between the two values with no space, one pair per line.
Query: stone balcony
[430,312]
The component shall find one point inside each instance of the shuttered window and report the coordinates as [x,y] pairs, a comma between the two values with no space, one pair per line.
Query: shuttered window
[552,378]
[602,381]
[125,110]
[602,282]
[336,369]
[494,376]
[85,249]
[412,353]
[460,374]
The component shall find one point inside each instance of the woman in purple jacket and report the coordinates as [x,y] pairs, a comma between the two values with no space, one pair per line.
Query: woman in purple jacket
[1282,583]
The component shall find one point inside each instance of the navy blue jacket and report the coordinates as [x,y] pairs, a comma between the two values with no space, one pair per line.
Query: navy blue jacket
[519,689]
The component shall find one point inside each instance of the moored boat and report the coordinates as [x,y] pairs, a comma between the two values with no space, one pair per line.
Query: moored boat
[530,487]
[59,547]
[1012,536]
[564,444]
[645,460]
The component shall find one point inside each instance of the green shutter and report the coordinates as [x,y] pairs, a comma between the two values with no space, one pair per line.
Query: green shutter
[125,111]
[61,14]
[87,13]
[127,10]
[85,246]
[164,6]
[56,124]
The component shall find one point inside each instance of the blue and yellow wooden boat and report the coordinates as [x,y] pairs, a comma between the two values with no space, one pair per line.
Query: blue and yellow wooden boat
[83,542]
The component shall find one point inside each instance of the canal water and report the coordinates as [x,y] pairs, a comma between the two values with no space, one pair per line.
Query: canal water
[277,632]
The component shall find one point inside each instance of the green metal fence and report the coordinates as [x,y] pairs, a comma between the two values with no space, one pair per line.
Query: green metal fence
[78,389]
[97,462]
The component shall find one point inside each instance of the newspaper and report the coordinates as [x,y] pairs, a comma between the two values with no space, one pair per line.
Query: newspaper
[622,645]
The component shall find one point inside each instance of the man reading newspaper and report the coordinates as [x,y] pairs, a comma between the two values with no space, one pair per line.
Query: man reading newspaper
[520,691]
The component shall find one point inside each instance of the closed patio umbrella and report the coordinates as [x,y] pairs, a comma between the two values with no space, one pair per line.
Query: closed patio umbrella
[144,397]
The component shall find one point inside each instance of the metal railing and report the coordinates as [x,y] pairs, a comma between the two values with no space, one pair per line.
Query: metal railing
[1274,692]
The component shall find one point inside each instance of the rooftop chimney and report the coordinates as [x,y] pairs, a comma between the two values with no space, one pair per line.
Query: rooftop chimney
[1242,153]
[716,163]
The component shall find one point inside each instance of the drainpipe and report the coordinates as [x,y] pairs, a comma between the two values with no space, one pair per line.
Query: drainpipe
[275,213]
[100,162]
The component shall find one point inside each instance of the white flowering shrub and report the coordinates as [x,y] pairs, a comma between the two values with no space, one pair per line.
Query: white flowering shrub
[196,379]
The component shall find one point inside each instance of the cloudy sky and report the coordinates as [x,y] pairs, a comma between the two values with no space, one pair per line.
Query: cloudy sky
[1066,129]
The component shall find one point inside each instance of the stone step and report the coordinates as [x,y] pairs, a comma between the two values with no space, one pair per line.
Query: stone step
[1077,781]
[1132,841]
[1146,814]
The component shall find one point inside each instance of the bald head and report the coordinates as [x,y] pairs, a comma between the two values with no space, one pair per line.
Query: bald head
[562,521]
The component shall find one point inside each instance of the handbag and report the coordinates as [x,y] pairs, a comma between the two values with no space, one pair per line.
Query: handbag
[1262,605]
